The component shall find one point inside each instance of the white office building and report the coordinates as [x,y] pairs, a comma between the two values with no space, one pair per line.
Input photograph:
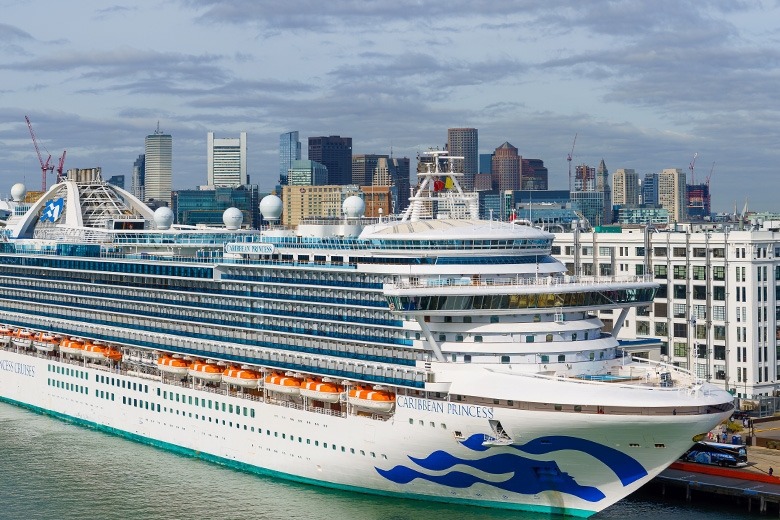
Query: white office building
[157,167]
[717,311]
[226,160]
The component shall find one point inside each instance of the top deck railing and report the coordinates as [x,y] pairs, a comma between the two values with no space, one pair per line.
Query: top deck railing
[518,280]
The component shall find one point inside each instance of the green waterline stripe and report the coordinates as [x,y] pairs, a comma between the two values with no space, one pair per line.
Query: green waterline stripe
[250,468]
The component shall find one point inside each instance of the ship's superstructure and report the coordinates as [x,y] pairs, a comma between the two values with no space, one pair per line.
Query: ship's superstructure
[445,358]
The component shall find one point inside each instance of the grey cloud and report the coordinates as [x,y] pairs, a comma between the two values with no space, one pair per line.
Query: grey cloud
[11,33]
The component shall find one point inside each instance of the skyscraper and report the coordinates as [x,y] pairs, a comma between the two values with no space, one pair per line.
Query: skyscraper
[157,180]
[226,160]
[289,151]
[672,194]
[139,177]
[650,189]
[506,168]
[335,152]
[534,175]
[464,142]
[602,185]
[625,187]
[307,173]
[395,174]
[363,166]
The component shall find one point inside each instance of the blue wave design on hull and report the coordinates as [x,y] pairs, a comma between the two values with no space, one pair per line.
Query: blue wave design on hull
[528,476]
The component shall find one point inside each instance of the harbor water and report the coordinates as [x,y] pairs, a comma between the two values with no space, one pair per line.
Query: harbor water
[56,470]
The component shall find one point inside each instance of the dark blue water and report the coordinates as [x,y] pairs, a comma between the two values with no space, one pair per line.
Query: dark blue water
[52,469]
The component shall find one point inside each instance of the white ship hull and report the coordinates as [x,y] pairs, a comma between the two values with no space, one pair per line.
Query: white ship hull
[430,449]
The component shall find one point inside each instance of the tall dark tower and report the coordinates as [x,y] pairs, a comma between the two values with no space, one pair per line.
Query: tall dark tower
[335,152]
[464,142]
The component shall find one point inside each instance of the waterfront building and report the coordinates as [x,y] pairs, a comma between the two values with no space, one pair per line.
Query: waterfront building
[157,167]
[226,158]
[378,200]
[672,193]
[506,167]
[464,142]
[534,175]
[289,151]
[591,205]
[363,166]
[207,205]
[642,214]
[335,152]
[139,177]
[718,310]
[304,202]
[486,162]
[307,173]
[117,180]
[625,187]
[483,182]
[394,173]
[650,189]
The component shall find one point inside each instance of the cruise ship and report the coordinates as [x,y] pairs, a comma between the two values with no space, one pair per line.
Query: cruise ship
[431,356]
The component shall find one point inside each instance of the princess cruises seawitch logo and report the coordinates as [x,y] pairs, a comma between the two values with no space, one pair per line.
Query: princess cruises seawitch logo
[527,476]
[53,210]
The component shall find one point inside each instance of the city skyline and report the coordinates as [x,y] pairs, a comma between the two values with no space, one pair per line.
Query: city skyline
[697,77]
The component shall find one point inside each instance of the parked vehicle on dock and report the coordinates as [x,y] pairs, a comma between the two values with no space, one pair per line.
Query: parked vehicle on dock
[717,453]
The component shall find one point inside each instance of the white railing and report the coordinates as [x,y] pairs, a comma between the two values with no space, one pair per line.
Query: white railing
[535,281]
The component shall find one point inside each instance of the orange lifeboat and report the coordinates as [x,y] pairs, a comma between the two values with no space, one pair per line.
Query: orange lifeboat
[5,335]
[22,338]
[241,377]
[370,399]
[321,391]
[112,354]
[72,347]
[172,365]
[283,384]
[44,342]
[205,371]
[94,351]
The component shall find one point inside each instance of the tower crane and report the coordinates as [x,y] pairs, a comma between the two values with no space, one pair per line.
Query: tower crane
[568,158]
[710,175]
[60,165]
[45,166]
[691,166]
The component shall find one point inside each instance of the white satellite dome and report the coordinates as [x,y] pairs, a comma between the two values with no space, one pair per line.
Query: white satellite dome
[18,191]
[163,217]
[232,217]
[353,207]
[271,207]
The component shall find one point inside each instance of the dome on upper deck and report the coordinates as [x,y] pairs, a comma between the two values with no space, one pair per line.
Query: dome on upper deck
[271,207]
[163,217]
[18,191]
[353,207]
[232,217]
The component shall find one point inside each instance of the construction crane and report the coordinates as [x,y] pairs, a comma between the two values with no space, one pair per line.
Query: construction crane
[60,165]
[691,166]
[45,166]
[710,175]
[568,158]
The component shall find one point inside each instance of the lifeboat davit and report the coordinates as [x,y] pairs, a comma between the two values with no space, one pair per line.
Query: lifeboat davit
[369,399]
[44,342]
[241,377]
[22,338]
[72,347]
[320,391]
[205,371]
[172,365]
[112,354]
[283,384]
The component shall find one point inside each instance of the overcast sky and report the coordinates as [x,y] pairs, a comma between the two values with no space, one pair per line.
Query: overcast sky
[644,85]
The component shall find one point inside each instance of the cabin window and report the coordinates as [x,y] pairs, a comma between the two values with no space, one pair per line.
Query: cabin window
[467,319]
[478,339]
[442,337]
[529,339]
[548,338]
[467,358]
[494,319]
[561,358]
[545,358]
[505,359]
[459,337]
[592,356]
[574,336]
